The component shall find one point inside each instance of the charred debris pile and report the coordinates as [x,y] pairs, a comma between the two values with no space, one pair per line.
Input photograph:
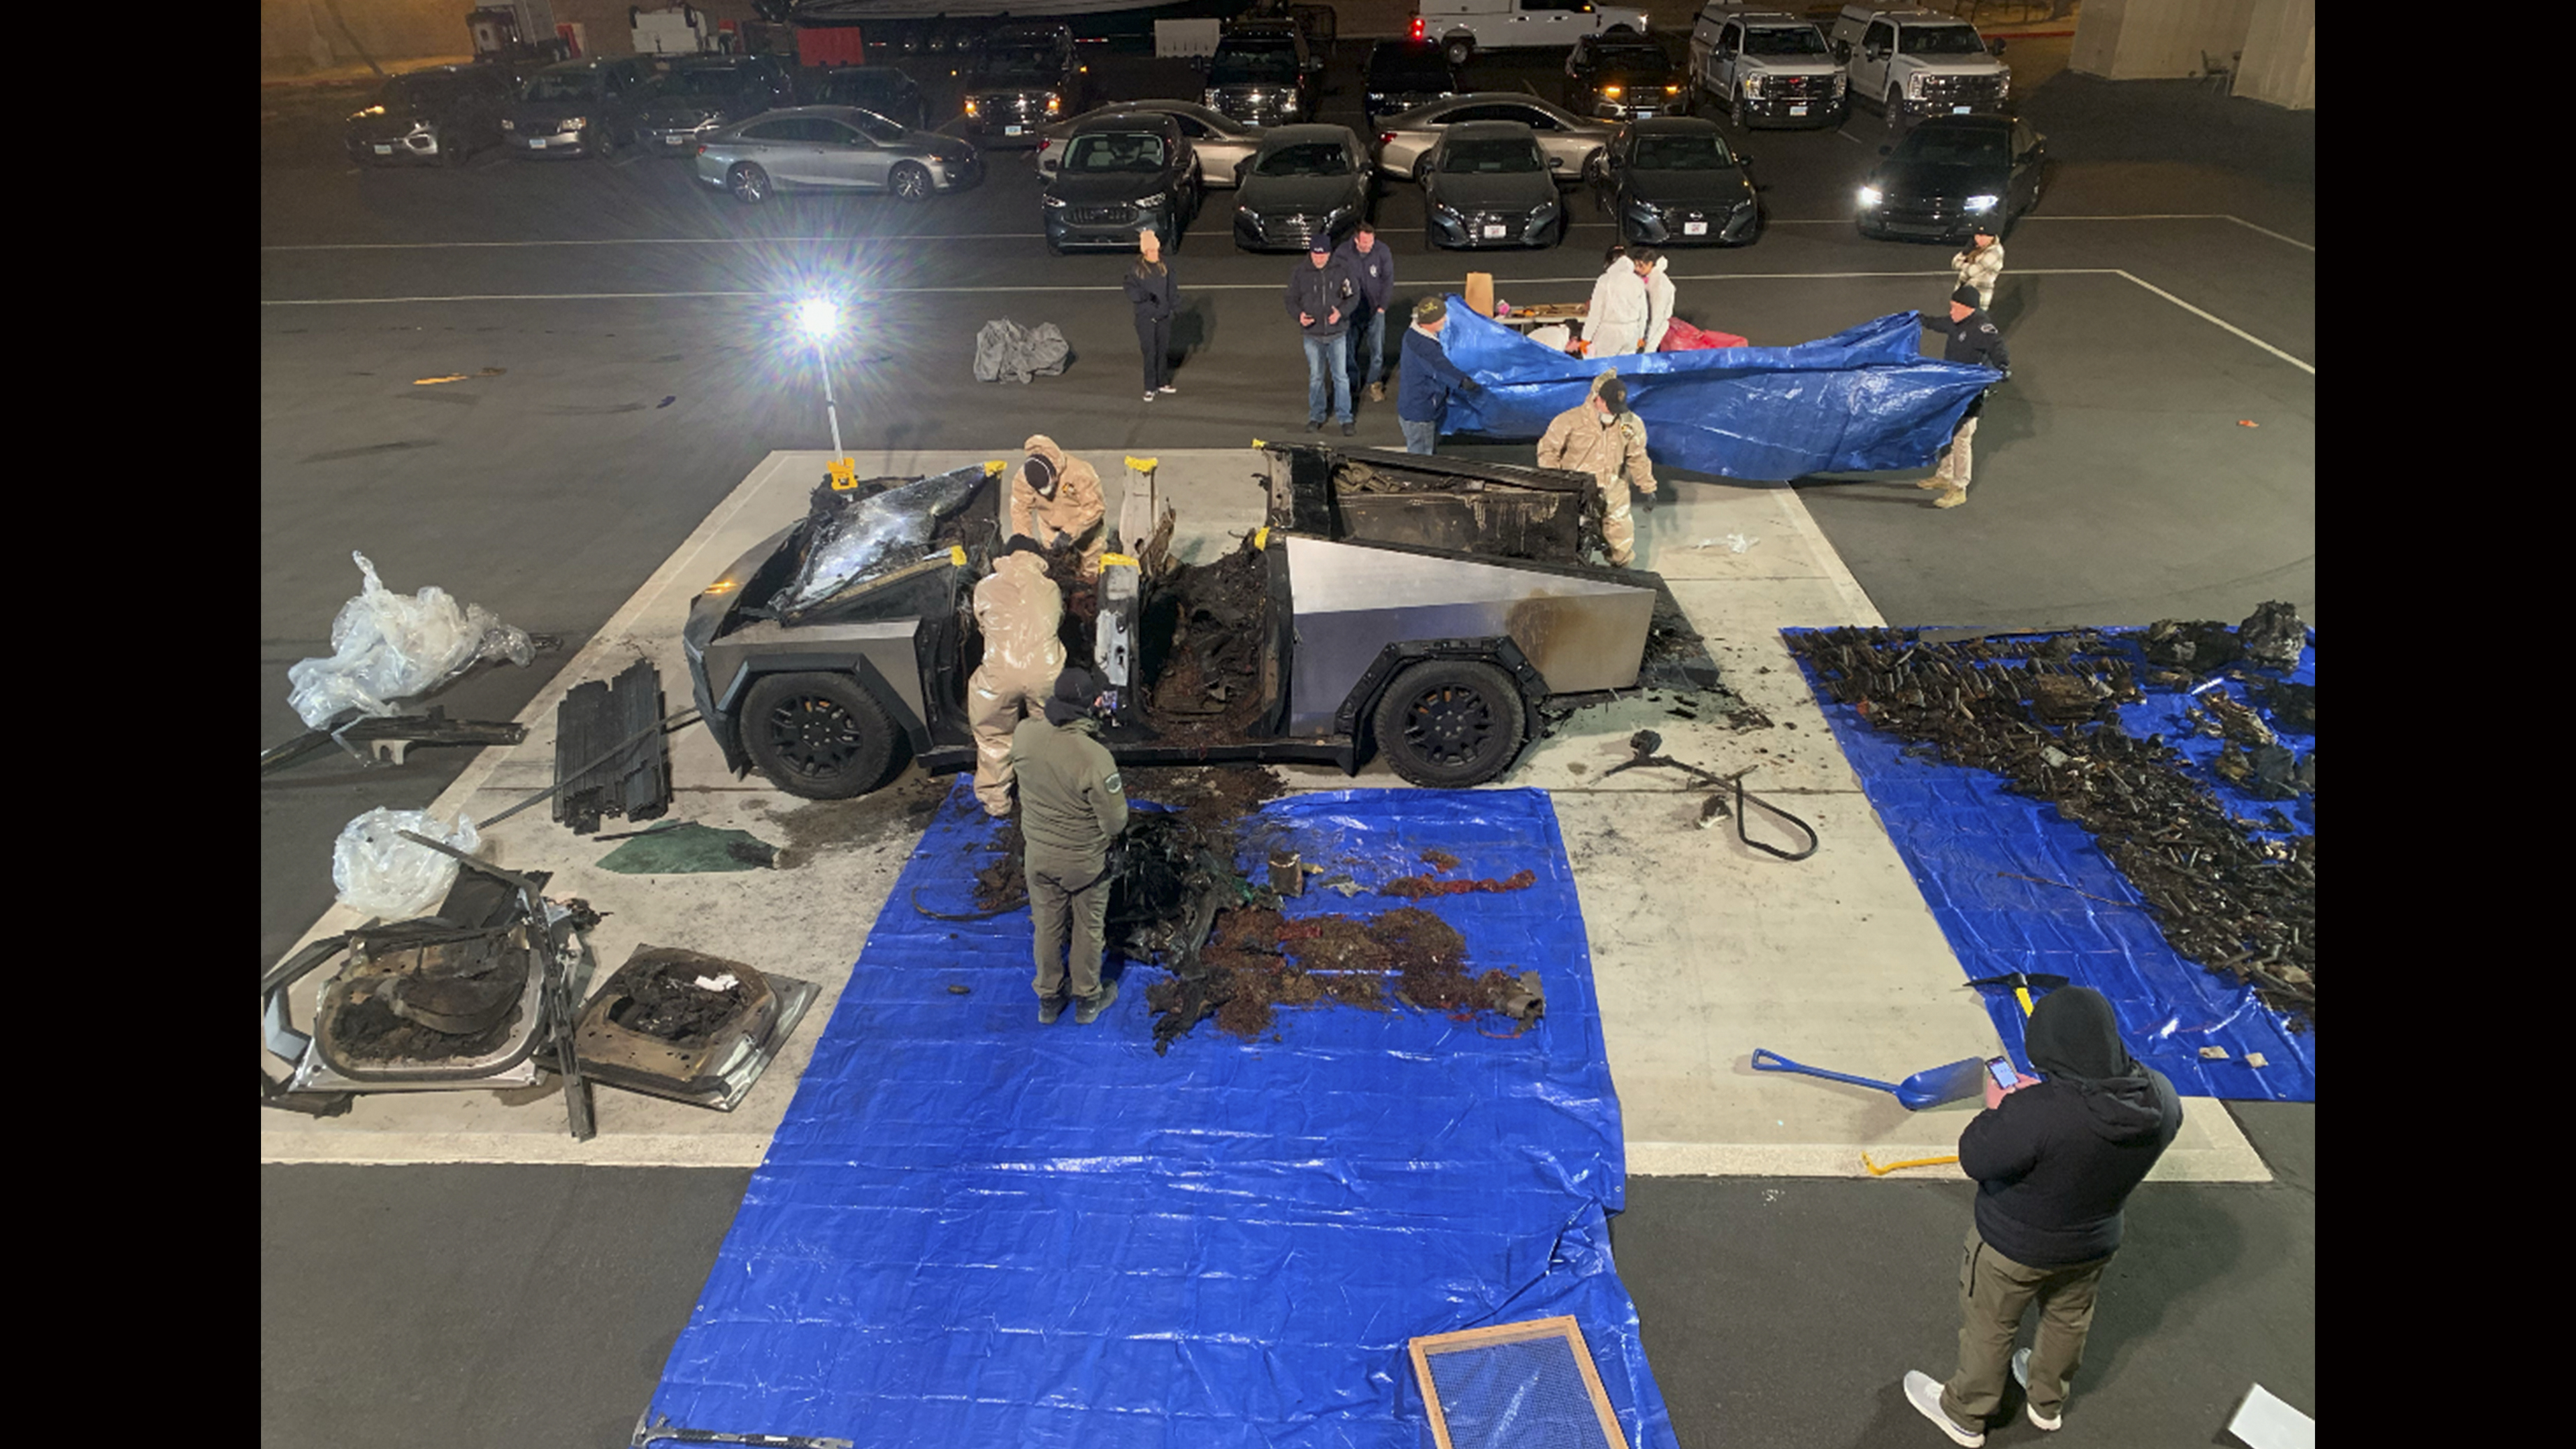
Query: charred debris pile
[2237,896]
[1177,899]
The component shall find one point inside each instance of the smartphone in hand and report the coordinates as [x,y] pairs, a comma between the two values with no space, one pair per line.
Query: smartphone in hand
[2001,1070]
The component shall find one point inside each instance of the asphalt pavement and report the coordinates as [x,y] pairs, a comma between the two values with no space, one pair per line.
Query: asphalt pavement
[616,329]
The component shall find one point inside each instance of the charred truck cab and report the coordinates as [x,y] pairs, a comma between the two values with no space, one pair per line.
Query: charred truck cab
[1433,610]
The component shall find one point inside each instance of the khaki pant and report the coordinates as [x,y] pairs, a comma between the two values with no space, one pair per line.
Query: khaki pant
[1994,1292]
[1066,893]
[994,707]
[1618,529]
[1953,472]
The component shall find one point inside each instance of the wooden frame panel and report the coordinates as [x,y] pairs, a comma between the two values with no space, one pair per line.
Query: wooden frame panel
[1537,1328]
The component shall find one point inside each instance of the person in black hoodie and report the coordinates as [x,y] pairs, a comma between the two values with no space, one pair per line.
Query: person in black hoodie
[1151,289]
[2054,1159]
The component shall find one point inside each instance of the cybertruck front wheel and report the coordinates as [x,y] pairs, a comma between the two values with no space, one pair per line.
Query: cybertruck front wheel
[818,736]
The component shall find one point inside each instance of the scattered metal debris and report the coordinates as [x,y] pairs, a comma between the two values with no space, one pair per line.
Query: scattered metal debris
[388,739]
[689,1027]
[595,777]
[2226,898]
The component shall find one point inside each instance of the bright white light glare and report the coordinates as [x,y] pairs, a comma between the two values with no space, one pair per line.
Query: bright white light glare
[1869,196]
[1981,203]
[817,319]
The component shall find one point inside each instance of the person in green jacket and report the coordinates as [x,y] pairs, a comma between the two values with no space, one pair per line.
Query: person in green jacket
[1072,805]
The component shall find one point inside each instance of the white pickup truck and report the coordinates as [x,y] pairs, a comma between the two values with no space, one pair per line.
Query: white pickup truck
[1913,63]
[1463,27]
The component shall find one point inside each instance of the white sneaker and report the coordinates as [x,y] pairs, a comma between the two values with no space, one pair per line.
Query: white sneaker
[1149,397]
[1924,1392]
[2021,1376]
[1167,387]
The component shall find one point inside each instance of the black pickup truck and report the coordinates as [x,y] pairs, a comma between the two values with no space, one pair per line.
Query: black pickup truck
[1434,610]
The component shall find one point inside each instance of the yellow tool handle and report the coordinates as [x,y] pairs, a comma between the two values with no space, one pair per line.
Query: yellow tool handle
[2023,992]
[1877,1171]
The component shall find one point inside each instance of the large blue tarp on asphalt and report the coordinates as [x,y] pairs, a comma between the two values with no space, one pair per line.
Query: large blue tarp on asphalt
[972,1230]
[1963,835]
[1860,400]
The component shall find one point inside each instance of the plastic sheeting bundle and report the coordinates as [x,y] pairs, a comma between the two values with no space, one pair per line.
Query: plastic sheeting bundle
[974,1230]
[387,646]
[1860,400]
[379,873]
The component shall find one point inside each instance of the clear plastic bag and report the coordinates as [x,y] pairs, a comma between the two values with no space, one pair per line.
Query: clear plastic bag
[387,646]
[379,873]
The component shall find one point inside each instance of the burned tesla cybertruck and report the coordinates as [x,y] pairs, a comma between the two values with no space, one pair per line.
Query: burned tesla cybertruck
[1436,611]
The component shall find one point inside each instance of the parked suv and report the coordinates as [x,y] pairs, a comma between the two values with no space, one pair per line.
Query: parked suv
[1023,77]
[1122,173]
[1621,77]
[1766,68]
[1263,74]
[435,116]
[579,108]
[700,94]
[1402,74]
[1913,63]
[882,89]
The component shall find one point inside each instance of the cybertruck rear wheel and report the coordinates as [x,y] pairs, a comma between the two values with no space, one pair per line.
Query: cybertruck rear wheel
[1450,723]
[818,736]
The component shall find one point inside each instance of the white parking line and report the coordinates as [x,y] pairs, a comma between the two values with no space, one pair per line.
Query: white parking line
[2209,317]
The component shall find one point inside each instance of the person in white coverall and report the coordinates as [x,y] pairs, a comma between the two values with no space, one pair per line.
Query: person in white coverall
[1652,267]
[1019,608]
[1056,496]
[1601,437]
[1615,322]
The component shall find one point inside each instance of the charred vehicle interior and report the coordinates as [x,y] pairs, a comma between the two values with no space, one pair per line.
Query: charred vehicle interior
[1437,611]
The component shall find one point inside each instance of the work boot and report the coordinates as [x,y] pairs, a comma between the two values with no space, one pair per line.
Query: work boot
[1934,480]
[1349,428]
[1049,1008]
[1924,1392]
[1091,1007]
[1951,498]
[1314,425]
[2021,1376]
[1377,392]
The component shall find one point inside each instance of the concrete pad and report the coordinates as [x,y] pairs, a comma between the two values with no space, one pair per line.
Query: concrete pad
[1703,948]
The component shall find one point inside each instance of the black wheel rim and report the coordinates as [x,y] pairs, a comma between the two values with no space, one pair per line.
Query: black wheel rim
[1451,725]
[814,737]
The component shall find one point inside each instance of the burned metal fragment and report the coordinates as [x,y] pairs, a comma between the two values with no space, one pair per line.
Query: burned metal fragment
[2273,635]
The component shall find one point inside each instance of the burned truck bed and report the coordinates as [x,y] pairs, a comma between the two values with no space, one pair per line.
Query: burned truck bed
[1437,611]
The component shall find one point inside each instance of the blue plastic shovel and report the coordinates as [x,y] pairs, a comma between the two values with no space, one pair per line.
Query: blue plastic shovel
[1930,1087]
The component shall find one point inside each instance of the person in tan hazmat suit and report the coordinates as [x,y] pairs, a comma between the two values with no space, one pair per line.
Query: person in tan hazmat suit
[1604,439]
[1055,497]
[1018,608]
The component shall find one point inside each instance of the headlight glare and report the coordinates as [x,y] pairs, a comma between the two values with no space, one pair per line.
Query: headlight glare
[1981,204]
[1871,196]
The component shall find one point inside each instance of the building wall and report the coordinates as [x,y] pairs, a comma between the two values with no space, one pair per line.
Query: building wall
[294,33]
[2280,64]
[2157,39]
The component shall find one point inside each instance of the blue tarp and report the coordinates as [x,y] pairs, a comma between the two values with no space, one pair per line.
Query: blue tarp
[1860,400]
[1962,834]
[973,1230]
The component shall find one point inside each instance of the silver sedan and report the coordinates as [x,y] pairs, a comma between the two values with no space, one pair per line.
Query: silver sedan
[1222,143]
[1572,144]
[833,148]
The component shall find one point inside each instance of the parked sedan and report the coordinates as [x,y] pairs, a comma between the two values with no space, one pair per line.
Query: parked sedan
[1487,184]
[1572,144]
[1622,76]
[1402,74]
[703,93]
[578,108]
[1950,173]
[879,88]
[1221,143]
[833,148]
[1305,181]
[436,116]
[1123,173]
[1672,181]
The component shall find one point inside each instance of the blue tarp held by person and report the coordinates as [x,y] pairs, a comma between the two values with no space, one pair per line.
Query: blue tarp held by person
[1860,400]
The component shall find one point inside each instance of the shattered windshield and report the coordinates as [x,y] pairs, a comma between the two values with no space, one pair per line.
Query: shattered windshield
[1784,40]
[875,536]
[1941,40]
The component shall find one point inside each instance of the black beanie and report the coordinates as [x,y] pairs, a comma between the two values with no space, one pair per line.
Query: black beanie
[1967,297]
[1074,692]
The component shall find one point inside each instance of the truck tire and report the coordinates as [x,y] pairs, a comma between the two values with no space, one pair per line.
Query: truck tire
[1460,49]
[1450,723]
[817,736]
